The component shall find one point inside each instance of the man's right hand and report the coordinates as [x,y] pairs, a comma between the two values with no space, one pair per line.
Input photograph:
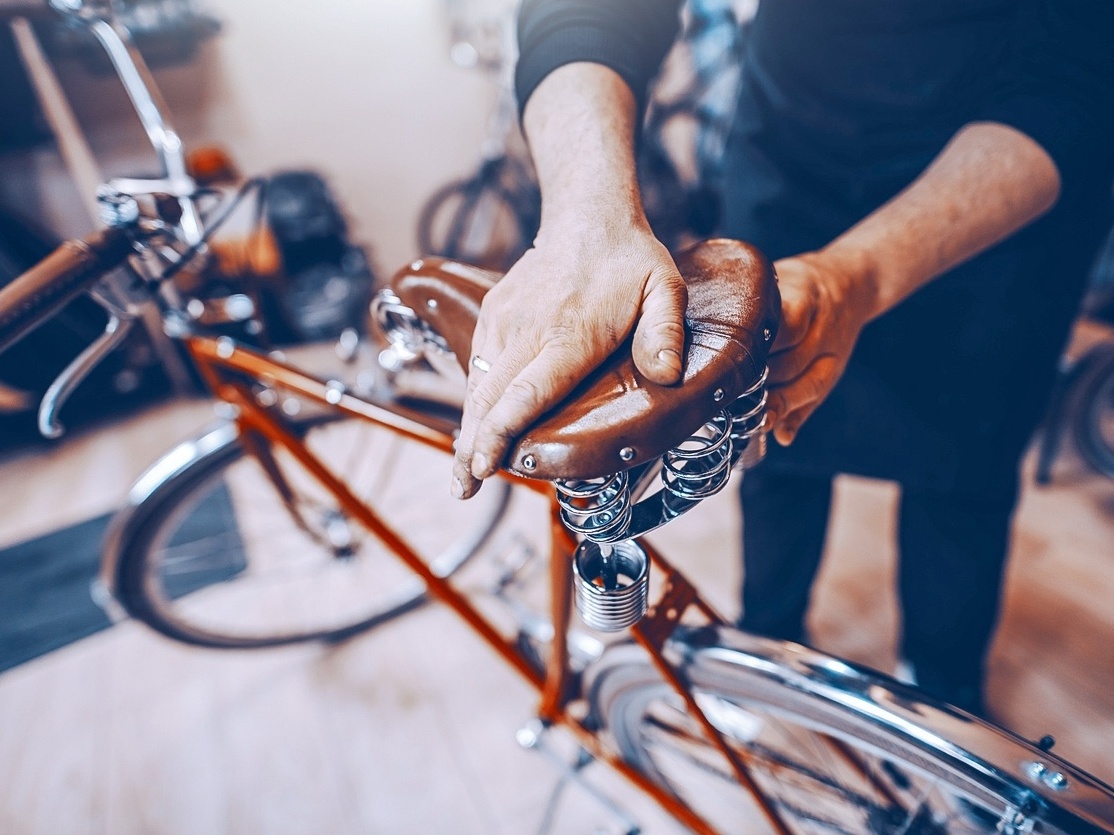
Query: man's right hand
[595,274]
[557,314]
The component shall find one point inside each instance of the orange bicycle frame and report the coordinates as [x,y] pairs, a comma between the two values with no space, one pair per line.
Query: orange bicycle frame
[229,369]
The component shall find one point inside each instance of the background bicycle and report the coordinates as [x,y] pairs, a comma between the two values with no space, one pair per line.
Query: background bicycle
[1082,408]
[490,217]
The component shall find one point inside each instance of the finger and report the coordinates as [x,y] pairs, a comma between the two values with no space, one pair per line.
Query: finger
[659,337]
[537,388]
[798,308]
[795,402]
[488,349]
[787,366]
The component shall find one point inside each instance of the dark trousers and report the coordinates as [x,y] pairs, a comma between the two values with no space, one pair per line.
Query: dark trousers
[952,552]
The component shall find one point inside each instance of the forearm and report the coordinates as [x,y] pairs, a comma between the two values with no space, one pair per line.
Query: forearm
[989,182]
[580,125]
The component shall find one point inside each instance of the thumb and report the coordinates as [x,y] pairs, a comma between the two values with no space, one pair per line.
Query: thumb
[659,338]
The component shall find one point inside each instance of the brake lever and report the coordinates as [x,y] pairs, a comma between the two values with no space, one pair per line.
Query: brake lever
[115,331]
[123,306]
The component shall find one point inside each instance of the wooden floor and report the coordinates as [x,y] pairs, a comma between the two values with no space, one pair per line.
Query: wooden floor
[410,729]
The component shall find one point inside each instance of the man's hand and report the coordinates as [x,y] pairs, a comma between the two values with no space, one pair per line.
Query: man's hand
[988,182]
[559,313]
[824,307]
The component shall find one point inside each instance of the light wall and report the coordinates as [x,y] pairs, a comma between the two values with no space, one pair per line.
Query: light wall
[361,90]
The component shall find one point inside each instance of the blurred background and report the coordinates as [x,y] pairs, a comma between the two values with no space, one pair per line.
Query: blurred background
[365,117]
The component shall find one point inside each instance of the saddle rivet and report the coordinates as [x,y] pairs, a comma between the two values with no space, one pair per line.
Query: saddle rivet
[626,453]
[717,395]
[431,304]
[766,334]
[529,462]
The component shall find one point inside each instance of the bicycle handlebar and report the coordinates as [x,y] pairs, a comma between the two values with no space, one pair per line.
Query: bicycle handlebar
[43,290]
[26,8]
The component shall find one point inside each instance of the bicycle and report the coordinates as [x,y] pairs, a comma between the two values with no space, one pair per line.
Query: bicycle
[688,120]
[490,217]
[1082,402]
[717,726]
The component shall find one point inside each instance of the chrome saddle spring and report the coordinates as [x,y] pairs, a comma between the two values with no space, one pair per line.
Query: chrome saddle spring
[748,423]
[700,466]
[611,573]
[612,584]
[599,509]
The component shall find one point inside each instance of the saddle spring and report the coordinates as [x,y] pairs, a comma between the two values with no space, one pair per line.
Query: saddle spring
[612,575]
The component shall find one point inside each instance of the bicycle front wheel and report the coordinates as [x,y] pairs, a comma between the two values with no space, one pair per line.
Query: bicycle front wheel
[831,747]
[222,553]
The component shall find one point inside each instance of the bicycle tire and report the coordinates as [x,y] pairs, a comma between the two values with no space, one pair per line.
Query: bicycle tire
[224,499]
[1094,414]
[783,707]
[478,221]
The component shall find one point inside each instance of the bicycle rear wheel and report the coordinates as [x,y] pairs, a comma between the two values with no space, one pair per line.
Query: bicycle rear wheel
[477,221]
[834,748]
[1094,417]
[215,555]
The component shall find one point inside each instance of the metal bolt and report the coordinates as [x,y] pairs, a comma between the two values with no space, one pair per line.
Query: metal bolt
[334,391]
[767,334]
[717,395]
[1056,781]
[431,304]
[117,209]
[626,453]
[1035,771]
[529,462]
[226,347]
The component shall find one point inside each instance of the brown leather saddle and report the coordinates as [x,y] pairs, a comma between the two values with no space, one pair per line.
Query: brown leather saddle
[616,418]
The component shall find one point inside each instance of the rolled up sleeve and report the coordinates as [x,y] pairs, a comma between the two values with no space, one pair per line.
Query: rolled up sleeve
[1058,88]
[629,36]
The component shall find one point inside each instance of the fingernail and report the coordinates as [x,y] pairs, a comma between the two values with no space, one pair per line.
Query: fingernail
[480,465]
[456,488]
[667,356]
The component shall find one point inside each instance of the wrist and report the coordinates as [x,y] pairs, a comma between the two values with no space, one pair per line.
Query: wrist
[855,278]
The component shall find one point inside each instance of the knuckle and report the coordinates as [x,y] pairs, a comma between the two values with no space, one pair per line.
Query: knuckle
[526,392]
[481,400]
